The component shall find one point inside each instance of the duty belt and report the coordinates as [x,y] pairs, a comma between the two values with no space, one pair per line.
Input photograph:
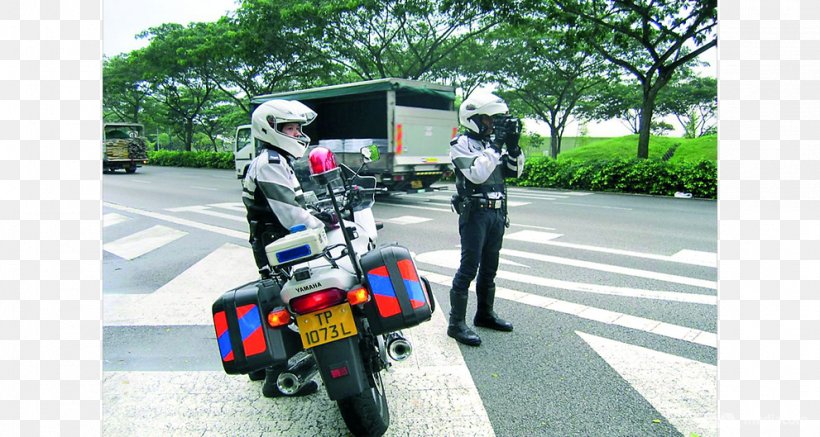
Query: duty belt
[487,203]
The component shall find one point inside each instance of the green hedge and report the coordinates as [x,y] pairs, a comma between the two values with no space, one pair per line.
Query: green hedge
[646,176]
[175,158]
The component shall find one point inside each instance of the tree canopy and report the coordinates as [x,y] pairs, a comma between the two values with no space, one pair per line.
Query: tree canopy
[555,61]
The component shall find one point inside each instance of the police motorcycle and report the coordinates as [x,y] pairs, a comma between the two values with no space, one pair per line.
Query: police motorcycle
[335,304]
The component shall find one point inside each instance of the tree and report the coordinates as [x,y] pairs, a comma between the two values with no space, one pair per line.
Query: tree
[649,39]
[375,39]
[693,102]
[180,84]
[546,73]
[470,65]
[261,50]
[219,120]
[617,100]
[124,89]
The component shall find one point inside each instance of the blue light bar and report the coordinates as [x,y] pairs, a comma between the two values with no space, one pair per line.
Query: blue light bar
[293,253]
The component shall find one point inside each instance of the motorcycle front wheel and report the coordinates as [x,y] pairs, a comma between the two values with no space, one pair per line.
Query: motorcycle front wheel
[367,413]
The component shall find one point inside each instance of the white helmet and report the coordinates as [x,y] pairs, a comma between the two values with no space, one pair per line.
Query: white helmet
[479,104]
[267,121]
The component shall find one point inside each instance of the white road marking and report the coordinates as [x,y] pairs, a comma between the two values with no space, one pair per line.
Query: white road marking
[513,203]
[511,263]
[684,391]
[534,196]
[177,402]
[199,209]
[204,188]
[139,182]
[613,269]
[406,220]
[142,242]
[233,206]
[180,221]
[706,259]
[432,389]
[113,218]
[415,207]
[596,314]
[186,299]
[532,236]
[547,193]
[533,227]
[451,258]
[584,205]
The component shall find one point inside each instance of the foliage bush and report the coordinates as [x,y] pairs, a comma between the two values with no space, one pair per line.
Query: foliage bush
[646,176]
[175,158]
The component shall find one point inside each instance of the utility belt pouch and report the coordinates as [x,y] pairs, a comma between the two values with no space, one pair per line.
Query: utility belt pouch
[456,204]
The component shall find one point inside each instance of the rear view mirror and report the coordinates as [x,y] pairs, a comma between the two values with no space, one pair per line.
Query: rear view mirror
[370,153]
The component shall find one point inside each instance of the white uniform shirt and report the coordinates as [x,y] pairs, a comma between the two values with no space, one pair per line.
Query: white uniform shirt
[477,161]
[271,172]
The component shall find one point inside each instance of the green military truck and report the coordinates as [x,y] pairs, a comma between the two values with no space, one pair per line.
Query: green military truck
[123,147]
[410,121]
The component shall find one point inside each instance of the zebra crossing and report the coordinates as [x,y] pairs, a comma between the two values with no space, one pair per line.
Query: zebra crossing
[683,390]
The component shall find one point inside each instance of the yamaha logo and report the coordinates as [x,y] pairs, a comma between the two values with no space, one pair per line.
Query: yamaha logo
[309,287]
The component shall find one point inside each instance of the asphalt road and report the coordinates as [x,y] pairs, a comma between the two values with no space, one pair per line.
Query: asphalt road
[613,297]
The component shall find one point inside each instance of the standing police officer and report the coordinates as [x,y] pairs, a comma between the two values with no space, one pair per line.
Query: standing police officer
[273,196]
[480,169]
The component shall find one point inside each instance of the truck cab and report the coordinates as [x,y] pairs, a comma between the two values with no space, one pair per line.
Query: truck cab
[245,149]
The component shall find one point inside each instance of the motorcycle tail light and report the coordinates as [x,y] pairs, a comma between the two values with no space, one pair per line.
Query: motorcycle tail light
[358,295]
[317,301]
[278,317]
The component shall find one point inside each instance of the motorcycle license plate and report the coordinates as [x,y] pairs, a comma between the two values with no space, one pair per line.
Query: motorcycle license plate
[415,184]
[327,325]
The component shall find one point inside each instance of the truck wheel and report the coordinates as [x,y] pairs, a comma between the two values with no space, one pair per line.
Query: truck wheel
[367,413]
[130,170]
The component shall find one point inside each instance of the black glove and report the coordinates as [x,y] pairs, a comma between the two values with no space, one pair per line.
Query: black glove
[514,151]
[495,145]
[329,218]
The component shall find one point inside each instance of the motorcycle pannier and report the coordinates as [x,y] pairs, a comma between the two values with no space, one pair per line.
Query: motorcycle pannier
[398,298]
[246,342]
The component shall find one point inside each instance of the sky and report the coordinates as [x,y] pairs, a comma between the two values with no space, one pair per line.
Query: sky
[123,19]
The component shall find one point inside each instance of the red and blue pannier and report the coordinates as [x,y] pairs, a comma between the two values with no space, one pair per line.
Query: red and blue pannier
[400,299]
[246,343]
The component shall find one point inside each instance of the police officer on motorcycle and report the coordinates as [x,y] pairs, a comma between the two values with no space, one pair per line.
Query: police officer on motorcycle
[273,196]
[480,168]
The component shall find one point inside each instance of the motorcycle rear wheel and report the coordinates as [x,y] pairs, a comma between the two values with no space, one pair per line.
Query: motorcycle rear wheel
[367,413]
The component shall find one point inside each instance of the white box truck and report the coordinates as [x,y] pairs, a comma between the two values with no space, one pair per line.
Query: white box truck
[411,121]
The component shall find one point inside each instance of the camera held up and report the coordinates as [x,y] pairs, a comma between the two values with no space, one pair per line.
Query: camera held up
[506,126]
[507,131]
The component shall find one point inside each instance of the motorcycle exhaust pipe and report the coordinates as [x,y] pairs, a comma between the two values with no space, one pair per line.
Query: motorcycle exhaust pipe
[302,371]
[398,347]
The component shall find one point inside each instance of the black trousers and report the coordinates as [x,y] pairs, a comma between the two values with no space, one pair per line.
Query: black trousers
[482,233]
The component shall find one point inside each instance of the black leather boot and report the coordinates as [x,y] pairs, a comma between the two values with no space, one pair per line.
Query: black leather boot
[257,375]
[457,328]
[270,390]
[485,317]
